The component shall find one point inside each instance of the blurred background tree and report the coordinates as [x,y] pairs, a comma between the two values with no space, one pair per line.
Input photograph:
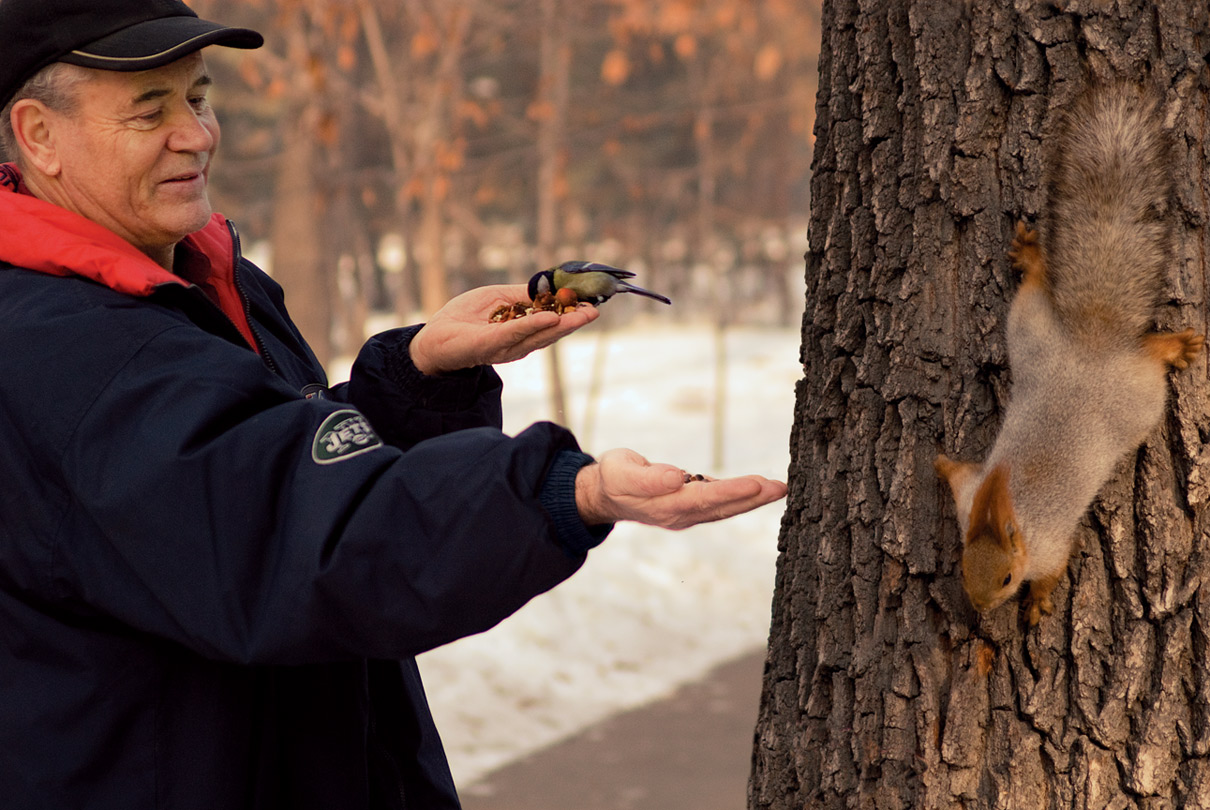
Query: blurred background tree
[381,156]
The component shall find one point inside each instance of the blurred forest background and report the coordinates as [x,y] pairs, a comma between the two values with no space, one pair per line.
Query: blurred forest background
[381,156]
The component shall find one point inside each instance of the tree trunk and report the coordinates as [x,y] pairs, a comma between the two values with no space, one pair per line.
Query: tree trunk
[394,85]
[297,215]
[702,72]
[434,133]
[883,688]
[554,93]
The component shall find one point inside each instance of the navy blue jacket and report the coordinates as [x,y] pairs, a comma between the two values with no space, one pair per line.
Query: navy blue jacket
[208,579]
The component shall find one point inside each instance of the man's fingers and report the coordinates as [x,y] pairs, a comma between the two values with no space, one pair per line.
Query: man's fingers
[731,489]
[531,324]
[766,492]
[718,500]
[522,336]
[626,486]
[636,477]
[545,328]
[659,479]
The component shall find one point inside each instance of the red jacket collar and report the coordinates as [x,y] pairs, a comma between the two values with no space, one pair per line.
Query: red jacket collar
[44,237]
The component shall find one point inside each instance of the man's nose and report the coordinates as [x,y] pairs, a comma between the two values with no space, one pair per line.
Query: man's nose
[192,132]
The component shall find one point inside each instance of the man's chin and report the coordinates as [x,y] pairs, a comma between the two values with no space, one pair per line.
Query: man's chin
[196,218]
[202,222]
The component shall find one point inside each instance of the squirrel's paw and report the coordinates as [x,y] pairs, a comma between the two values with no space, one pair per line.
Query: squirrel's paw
[1037,600]
[1176,349]
[1037,606]
[1026,254]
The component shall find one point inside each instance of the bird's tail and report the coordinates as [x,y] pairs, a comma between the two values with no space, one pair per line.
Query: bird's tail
[627,287]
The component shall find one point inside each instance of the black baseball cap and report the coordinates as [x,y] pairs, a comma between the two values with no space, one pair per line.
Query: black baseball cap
[126,35]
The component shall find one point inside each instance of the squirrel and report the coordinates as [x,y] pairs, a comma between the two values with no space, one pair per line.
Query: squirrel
[1089,375]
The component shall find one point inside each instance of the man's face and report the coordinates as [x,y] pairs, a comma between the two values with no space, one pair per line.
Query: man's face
[134,154]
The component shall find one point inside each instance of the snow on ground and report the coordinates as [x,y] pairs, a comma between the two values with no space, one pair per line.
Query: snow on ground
[651,609]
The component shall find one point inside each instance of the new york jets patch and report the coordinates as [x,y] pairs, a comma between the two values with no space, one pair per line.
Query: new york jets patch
[342,435]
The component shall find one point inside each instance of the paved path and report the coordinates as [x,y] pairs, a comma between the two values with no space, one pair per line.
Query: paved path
[691,751]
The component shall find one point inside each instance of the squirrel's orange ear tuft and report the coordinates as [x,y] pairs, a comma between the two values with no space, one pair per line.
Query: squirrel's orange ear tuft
[992,509]
[955,473]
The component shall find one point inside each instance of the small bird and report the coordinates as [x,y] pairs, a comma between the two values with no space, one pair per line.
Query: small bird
[592,282]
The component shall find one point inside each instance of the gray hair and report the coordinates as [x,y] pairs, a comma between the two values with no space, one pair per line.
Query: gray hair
[54,86]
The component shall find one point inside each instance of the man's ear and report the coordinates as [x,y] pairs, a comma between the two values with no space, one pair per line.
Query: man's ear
[34,132]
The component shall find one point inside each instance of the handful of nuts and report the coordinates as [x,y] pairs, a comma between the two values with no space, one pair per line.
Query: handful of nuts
[564,300]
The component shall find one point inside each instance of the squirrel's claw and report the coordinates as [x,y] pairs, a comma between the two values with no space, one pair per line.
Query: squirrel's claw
[1035,609]
[1176,349]
[1026,254]
[1037,601]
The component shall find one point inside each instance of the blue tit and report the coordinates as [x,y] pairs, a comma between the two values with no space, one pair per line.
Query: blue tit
[592,282]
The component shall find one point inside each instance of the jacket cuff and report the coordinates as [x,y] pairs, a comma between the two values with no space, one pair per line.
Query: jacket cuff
[406,406]
[460,386]
[558,497]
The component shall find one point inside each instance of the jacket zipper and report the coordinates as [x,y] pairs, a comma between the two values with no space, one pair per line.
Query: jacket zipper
[236,253]
[389,760]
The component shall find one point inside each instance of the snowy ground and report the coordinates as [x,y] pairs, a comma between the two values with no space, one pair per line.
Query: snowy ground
[651,609]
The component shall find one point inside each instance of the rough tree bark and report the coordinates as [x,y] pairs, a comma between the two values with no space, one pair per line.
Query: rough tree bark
[883,689]
[550,111]
[298,209]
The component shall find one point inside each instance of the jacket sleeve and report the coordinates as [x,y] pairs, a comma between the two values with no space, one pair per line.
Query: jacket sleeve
[406,406]
[213,506]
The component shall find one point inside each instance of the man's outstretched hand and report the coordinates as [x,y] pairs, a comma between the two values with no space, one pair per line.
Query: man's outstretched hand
[623,485]
[459,334]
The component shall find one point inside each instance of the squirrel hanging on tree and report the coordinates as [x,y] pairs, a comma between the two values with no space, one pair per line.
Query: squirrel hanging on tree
[1089,374]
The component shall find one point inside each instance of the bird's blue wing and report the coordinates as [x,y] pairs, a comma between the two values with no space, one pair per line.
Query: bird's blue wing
[595,267]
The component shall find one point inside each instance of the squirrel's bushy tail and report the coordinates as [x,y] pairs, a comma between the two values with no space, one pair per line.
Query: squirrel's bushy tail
[1109,234]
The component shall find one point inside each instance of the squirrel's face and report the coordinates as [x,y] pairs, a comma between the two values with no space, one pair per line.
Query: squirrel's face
[993,554]
[992,573]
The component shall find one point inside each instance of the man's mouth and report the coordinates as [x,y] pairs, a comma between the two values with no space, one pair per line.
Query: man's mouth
[185,177]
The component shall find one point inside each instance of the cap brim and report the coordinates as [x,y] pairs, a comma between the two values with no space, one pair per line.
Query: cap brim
[158,42]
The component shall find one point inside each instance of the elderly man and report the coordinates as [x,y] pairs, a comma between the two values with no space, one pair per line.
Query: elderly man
[211,564]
